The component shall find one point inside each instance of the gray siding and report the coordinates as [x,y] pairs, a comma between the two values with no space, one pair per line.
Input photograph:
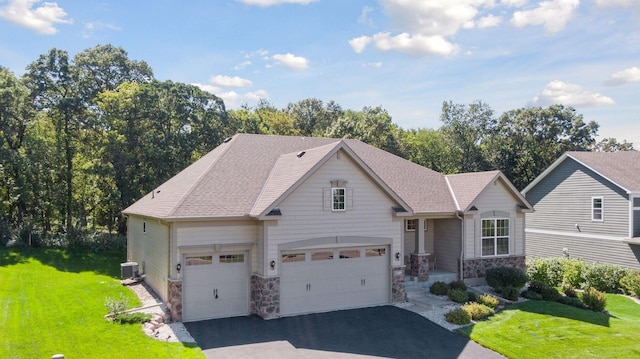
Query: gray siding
[563,199]
[448,234]
[150,250]
[592,250]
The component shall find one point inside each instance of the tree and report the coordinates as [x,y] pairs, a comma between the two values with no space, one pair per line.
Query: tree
[528,140]
[428,147]
[371,125]
[465,127]
[311,117]
[612,145]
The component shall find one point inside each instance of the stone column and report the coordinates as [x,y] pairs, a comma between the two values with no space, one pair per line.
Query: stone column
[175,299]
[420,266]
[265,296]
[397,285]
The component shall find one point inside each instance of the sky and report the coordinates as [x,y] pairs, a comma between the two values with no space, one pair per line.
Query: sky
[407,56]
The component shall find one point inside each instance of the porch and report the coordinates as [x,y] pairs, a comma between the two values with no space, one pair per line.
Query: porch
[435,275]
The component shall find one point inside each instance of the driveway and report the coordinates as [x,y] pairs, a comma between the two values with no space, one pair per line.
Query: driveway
[385,331]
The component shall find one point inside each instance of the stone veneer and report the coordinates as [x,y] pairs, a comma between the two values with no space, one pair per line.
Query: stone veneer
[175,299]
[398,293]
[420,266]
[476,268]
[265,296]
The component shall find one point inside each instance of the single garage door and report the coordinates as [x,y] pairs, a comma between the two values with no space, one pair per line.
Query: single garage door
[215,285]
[329,279]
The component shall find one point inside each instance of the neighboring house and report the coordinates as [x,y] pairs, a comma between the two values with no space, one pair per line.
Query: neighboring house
[587,205]
[277,226]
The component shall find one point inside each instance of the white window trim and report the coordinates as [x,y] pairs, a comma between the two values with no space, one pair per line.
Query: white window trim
[406,225]
[601,219]
[344,202]
[495,238]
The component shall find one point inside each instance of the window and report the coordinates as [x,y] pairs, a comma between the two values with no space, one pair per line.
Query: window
[199,260]
[232,258]
[410,225]
[144,227]
[339,198]
[375,252]
[321,256]
[495,237]
[597,209]
[350,253]
[293,257]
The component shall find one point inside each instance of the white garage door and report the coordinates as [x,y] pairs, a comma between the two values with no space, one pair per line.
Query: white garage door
[215,285]
[330,279]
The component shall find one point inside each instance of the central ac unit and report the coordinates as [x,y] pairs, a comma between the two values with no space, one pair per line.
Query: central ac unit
[129,270]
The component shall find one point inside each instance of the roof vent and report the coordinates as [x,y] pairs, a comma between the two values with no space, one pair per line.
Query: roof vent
[300,154]
[473,208]
[227,139]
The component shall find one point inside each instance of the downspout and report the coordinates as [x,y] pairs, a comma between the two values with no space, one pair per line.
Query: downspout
[459,216]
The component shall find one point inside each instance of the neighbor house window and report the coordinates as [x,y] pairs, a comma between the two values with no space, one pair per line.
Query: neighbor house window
[597,209]
[339,198]
[144,227]
[495,237]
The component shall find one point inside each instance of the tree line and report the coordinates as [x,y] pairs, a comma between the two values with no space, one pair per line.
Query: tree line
[82,138]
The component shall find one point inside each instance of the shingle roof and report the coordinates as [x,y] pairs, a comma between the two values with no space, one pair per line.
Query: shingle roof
[622,167]
[466,187]
[246,175]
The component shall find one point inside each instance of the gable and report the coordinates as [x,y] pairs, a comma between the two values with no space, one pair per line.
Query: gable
[497,196]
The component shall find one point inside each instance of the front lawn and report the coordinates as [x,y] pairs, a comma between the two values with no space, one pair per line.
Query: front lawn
[52,302]
[541,329]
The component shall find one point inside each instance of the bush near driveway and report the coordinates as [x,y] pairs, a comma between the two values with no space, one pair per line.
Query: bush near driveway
[53,301]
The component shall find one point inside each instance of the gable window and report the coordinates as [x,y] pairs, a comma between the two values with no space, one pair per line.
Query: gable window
[495,237]
[597,209]
[338,195]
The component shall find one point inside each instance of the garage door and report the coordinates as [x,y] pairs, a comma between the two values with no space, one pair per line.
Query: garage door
[330,279]
[215,285]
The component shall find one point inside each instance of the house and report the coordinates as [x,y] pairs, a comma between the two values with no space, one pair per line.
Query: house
[587,205]
[278,226]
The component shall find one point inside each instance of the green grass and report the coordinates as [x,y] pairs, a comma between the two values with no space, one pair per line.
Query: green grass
[52,302]
[541,329]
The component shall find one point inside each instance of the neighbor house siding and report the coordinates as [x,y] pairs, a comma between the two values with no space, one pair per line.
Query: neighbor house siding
[448,234]
[562,200]
[150,250]
[304,215]
[593,250]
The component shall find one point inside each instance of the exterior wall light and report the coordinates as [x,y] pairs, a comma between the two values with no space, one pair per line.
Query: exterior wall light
[273,265]
[397,255]
[178,267]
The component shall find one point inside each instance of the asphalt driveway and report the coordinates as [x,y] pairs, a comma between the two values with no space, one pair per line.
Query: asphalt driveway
[385,331]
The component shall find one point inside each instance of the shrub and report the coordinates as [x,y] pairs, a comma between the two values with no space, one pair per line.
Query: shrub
[630,283]
[133,318]
[594,299]
[458,284]
[473,297]
[116,306]
[510,293]
[546,270]
[574,271]
[572,301]
[477,311]
[604,277]
[458,316]
[458,295]
[548,293]
[569,291]
[488,300]
[501,277]
[439,288]
[529,294]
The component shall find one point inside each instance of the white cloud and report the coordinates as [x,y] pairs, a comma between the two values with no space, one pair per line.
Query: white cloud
[364,16]
[41,19]
[228,81]
[558,92]
[416,45]
[242,65]
[489,21]
[90,27]
[424,27]
[629,75]
[291,61]
[266,3]
[635,4]
[358,44]
[553,14]
[233,99]
[513,3]
[372,64]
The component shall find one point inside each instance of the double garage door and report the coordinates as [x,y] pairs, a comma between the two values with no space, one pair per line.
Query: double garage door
[215,285]
[330,279]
